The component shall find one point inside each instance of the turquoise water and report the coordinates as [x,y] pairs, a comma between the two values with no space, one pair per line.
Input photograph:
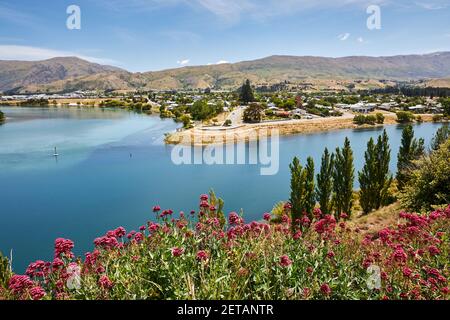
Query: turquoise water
[113,167]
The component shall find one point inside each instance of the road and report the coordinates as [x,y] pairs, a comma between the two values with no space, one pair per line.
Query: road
[236,116]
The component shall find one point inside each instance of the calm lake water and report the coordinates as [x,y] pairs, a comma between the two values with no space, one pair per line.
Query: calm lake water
[113,167]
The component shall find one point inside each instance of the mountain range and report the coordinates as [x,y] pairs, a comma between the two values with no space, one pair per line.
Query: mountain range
[67,74]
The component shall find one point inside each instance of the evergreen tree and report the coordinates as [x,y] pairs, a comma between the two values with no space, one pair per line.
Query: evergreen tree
[375,179]
[324,187]
[440,137]
[366,178]
[310,197]
[343,178]
[298,178]
[247,95]
[410,149]
[384,177]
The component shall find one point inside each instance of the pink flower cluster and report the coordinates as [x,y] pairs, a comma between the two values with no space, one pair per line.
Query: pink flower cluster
[63,248]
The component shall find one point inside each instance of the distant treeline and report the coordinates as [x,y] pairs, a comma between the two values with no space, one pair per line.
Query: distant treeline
[413,91]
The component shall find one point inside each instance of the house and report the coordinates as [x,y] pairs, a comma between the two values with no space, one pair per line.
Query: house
[387,106]
[298,112]
[362,107]
[418,108]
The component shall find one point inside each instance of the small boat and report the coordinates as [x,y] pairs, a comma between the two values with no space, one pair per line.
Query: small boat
[56,153]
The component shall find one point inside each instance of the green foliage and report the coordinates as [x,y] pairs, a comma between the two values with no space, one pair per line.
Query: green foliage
[410,149]
[186,120]
[429,182]
[35,102]
[112,103]
[253,113]
[2,117]
[310,197]
[5,272]
[343,179]
[201,110]
[361,119]
[405,117]
[324,189]
[446,106]
[375,179]
[298,181]
[246,94]
[302,189]
[379,118]
[440,137]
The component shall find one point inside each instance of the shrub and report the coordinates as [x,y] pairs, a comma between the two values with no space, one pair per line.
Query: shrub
[379,118]
[253,113]
[437,118]
[405,117]
[361,119]
[227,123]
[429,183]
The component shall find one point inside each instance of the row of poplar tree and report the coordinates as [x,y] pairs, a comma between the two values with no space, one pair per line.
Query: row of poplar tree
[332,187]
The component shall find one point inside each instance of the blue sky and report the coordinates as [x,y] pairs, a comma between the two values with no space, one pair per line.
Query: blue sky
[145,35]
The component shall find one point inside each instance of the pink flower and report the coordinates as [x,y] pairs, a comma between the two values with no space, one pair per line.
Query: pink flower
[119,232]
[399,255]
[267,216]
[234,219]
[106,242]
[19,283]
[297,235]
[204,197]
[325,289]
[105,282]
[139,237]
[204,204]
[344,216]
[285,261]
[57,263]
[330,254]
[202,256]
[156,208]
[433,250]
[63,247]
[176,252]
[309,270]
[407,272]
[317,213]
[37,293]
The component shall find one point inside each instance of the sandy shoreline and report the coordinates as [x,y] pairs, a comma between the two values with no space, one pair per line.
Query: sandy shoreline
[250,132]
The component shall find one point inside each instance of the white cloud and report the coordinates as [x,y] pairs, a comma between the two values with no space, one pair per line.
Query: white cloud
[183,62]
[360,40]
[219,62]
[433,5]
[28,53]
[343,36]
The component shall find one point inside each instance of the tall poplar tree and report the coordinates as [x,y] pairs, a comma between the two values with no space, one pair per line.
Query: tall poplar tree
[410,149]
[247,95]
[343,179]
[375,178]
[310,197]
[324,188]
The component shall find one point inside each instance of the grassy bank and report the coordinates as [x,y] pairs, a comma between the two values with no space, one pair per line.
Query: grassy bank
[202,255]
